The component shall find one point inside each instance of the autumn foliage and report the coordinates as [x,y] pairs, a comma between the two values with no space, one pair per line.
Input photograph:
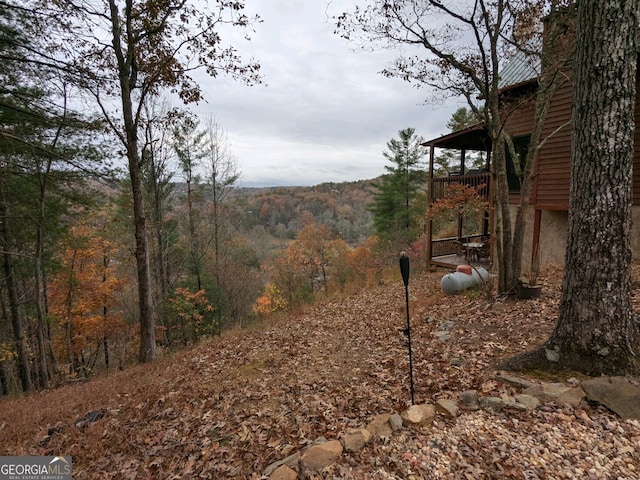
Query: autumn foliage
[194,313]
[84,299]
[317,264]
[459,198]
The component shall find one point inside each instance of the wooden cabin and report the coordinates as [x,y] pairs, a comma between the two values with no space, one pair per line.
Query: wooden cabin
[548,214]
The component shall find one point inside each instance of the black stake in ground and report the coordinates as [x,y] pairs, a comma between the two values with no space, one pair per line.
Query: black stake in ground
[404,270]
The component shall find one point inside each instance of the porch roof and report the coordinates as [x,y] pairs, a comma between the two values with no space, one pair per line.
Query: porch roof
[474,137]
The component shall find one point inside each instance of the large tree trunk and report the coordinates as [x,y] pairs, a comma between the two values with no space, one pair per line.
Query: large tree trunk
[147,351]
[17,319]
[596,332]
[127,72]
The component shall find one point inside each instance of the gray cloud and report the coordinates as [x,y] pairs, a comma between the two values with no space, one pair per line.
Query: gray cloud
[324,112]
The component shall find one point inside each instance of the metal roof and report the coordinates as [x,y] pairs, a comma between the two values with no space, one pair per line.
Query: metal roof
[521,68]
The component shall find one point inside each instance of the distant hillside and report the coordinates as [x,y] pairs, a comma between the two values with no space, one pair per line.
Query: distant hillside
[283,211]
[280,212]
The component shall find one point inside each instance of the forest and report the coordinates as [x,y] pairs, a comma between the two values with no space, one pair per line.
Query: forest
[214,266]
[124,231]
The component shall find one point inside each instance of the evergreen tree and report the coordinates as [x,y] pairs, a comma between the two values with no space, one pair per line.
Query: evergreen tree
[396,208]
[45,149]
[449,160]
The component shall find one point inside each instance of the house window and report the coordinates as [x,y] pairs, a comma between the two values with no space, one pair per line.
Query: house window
[514,175]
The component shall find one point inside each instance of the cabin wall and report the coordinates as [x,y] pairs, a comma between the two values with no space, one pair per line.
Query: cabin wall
[551,191]
[553,236]
[554,157]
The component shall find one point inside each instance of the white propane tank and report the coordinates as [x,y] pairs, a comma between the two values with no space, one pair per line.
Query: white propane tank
[456,282]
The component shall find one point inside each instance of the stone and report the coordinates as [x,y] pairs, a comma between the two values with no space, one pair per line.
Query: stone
[556,392]
[447,407]
[529,401]
[89,418]
[283,473]
[57,428]
[287,449]
[355,439]
[507,399]
[616,393]
[514,381]
[572,396]
[448,325]
[418,415]
[319,457]
[291,461]
[469,400]
[442,336]
[380,426]
[493,403]
[457,361]
[395,421]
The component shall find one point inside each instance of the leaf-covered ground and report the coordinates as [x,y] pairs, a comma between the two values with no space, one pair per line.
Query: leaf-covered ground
[232,406]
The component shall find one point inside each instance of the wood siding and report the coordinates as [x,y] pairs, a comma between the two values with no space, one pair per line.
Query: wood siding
[554,157]
[551,191]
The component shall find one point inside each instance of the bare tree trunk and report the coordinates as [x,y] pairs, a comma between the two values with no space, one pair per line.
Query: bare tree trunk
[4,382]
[195,246]
[153,159]
[71,358]
[105,344]
[147,351]
[39,279]
[504,233]
[554,59]
[127,72]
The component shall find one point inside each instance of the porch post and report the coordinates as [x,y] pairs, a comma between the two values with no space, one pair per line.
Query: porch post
[429,203]
[463,154]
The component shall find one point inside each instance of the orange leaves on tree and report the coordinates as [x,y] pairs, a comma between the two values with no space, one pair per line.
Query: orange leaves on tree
[83,295]
[316,262]
[271,301]
[459,198]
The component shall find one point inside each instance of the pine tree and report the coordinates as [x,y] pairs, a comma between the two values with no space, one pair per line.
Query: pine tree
[448,161]
[396,207]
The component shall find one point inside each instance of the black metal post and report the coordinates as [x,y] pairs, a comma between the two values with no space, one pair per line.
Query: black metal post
[404,270]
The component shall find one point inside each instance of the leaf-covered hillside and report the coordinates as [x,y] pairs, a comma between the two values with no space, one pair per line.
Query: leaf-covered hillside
[232,406]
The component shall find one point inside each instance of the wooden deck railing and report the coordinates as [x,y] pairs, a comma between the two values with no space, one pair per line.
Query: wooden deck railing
[439,185]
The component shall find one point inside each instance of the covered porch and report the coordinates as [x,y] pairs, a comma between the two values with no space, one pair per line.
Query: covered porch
[461,238]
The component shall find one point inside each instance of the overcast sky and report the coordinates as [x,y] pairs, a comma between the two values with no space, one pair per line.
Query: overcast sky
[324,113]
